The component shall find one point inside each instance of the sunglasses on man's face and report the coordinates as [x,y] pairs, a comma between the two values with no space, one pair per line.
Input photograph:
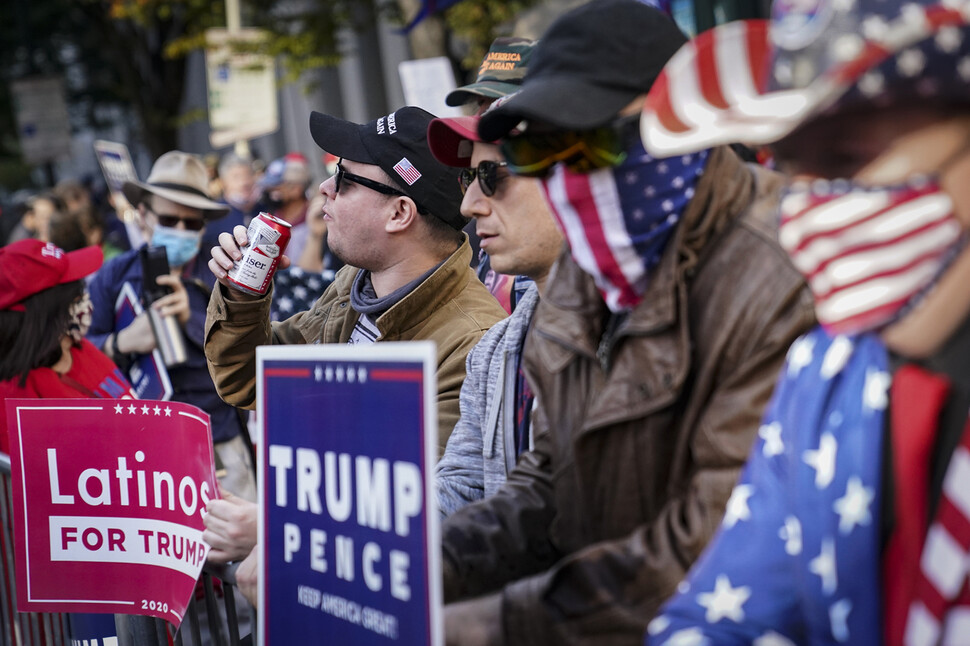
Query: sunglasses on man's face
[366,182]
[171,221]
[487,174]
[342,175]
[582,151]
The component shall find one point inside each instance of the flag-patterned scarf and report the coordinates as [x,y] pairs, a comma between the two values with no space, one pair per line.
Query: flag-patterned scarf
[618,220]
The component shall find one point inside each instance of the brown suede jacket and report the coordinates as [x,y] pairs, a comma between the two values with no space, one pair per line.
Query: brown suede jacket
[641,433]
[451,307]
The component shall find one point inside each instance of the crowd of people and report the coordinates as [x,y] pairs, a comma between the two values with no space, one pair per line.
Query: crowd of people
[682,397]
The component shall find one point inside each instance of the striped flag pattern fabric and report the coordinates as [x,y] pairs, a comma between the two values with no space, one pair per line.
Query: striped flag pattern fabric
[743,81]
[712,91]
[866,252]
[941,612]
[407,171]
[618,220]
[617,265]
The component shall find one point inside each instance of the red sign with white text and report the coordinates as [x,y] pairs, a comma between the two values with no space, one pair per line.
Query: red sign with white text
[108,498]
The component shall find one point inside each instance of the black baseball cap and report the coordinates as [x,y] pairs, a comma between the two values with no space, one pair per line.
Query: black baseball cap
[500,73]
[398,144]
[590,64]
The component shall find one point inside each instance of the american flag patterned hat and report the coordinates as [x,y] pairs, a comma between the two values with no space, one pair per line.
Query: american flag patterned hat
[756,81]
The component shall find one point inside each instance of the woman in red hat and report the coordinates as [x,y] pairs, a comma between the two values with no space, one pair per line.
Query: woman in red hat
[44,313]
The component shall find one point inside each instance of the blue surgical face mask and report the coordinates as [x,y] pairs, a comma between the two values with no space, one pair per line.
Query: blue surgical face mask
[180,245]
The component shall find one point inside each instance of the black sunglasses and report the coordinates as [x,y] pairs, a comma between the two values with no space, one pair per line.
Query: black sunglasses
[342,175]
[171,221]
[487,174]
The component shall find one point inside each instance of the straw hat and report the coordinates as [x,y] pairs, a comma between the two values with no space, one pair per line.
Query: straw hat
[181,178]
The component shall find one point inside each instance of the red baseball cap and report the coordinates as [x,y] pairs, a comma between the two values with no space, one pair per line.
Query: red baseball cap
[31,266]
[450,140]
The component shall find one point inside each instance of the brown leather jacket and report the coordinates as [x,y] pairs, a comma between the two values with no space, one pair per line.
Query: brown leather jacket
[641,434]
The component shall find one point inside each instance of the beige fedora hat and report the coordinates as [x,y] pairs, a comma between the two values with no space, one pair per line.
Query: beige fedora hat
[181,178]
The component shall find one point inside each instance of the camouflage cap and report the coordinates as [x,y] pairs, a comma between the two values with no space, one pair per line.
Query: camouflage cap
[500,73]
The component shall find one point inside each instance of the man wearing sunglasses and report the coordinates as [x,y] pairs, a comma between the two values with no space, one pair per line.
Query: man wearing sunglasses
[652,353]
[518,234]
[392,214]
[173,209]
[500,74]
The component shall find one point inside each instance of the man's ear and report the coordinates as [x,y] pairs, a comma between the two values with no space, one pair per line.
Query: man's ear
[404,214]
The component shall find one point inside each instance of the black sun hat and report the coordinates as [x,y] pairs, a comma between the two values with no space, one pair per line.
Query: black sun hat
[591,63]
[398,144]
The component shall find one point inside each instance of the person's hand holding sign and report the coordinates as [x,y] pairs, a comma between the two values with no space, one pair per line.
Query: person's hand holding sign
[230,528]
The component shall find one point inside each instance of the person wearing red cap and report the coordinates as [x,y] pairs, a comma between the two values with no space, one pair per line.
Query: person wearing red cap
[652,353]
[522,242]
[44,314]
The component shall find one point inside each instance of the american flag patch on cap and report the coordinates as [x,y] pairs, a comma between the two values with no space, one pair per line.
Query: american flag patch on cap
[407,171]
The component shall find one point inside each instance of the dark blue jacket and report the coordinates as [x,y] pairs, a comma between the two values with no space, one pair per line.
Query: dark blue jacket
[190,381]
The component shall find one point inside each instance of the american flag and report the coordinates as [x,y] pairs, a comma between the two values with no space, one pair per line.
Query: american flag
[407,171]
[797,560]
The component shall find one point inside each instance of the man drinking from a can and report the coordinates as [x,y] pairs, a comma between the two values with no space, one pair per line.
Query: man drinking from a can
[392,213]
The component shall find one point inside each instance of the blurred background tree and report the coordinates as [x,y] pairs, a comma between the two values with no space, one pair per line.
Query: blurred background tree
[478,22]
[126,59]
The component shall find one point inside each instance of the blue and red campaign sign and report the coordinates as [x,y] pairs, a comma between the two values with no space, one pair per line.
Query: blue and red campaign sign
[348,534]
[108,496]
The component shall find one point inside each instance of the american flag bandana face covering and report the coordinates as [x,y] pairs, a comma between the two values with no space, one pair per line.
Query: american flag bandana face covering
[868,253]
[618,220]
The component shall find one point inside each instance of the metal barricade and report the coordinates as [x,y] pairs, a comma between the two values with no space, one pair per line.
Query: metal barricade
[205,622]
[221,626]
[20,628]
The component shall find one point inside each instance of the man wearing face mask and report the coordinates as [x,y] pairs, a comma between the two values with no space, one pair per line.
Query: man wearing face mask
[851,521]
[173,209]
[652,354]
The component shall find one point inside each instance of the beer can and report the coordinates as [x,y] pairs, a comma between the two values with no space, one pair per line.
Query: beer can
[268,236]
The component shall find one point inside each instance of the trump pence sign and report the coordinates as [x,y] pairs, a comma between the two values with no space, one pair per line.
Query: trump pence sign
[348,538]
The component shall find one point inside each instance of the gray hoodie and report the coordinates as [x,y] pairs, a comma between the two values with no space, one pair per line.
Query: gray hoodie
[481,449]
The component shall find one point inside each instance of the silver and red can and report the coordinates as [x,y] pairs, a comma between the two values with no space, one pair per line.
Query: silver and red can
[268,236]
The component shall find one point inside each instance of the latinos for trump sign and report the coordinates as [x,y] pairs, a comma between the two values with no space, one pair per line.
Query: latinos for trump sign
[348,536]
[108,496]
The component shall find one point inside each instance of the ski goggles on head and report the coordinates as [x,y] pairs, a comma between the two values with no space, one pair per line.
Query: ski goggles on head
[582,151]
